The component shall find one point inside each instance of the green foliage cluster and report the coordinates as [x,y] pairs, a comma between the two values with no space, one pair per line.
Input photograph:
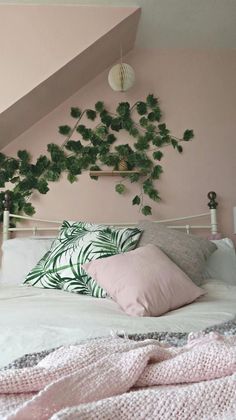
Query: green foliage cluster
[88,148]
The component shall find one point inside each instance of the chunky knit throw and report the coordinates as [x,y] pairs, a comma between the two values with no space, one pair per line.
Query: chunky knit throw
[116,378]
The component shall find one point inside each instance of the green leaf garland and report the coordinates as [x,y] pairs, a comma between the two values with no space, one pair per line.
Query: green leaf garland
[87,148]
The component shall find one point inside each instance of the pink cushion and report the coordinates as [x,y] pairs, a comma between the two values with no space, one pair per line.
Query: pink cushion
[144,282]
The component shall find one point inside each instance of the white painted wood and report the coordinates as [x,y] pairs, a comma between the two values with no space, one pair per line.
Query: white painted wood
[182,218]
[34,229]
[234,213]
[6,221]
[214,227]
[16,216]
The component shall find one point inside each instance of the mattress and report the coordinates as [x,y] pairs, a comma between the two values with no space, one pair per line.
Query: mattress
[33,319]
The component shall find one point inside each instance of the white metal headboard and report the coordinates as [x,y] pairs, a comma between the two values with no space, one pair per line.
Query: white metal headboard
[212,227]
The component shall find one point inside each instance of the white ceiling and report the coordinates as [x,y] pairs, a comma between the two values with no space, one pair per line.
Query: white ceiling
[174,23]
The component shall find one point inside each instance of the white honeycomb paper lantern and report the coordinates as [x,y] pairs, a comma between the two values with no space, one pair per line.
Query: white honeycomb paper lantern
[121,77]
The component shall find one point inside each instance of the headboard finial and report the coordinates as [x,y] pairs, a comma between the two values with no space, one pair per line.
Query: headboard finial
[212,197]
[7,201]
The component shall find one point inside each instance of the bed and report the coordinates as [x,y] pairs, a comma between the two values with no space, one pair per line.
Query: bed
[50,329]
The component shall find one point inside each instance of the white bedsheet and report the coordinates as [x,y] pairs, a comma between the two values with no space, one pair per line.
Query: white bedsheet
[33,319]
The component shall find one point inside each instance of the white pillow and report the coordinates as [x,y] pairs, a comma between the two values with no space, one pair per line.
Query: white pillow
[19,256]
[221,264]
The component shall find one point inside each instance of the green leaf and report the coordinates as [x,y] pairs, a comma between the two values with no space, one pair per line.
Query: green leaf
[120,188]
[95,140]
[3,179]
[188,135]
[11,165]
[147,186]
[153,194]
[143,122]
[15,179]
[123,109]
[94,168]
[111,138]
[146,210]
[124,150]
[174,143]
[151,116]
[99,106]
[80,129]
[25,168]
[157,141]
[151,128]
[127,123]
[136,200]
[75,112]
[87,133]
[166,139]
[51,175]
[157,155]
[141,108]
[2,158]
[106,118]
[116,124]
[26,184]
[134,177]
[155,115]
[157,171]
[73,164]
[91,114]
[142,143]
[28,209]
[23,155]
[151,101]
[149,136]
[163,130]
[64,130]
[101,131]
[71,178]
[74,146]
[109,159]
[57,154]
[141,161]
[103,151]
[134,132]
[42,164]
[179,148]
[42,186]
[158,114]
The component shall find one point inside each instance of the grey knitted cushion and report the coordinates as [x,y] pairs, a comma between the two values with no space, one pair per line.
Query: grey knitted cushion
[189,252]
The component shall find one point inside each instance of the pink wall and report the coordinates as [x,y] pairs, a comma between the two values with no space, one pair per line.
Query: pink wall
[50,52]
[197,90]
[37,40]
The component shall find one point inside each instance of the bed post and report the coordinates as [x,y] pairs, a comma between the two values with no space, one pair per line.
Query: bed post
[212,206]
[6,212]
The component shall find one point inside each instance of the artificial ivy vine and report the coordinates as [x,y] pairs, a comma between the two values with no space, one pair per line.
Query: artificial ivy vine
[86,148]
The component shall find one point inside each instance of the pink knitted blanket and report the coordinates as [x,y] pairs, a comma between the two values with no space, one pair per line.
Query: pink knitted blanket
[116,378]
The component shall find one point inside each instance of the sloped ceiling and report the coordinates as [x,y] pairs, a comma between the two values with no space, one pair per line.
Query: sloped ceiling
[49,52]
[175,23]
[51,48]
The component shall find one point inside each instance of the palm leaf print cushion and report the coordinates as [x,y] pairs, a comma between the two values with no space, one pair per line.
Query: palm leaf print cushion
[78,243]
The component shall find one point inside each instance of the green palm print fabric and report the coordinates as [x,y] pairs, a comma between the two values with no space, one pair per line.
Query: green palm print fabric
[78,243]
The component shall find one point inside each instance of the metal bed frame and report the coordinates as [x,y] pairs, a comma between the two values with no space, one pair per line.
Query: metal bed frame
[212,214]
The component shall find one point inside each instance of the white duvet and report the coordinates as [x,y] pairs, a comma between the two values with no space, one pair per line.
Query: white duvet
[33,319]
